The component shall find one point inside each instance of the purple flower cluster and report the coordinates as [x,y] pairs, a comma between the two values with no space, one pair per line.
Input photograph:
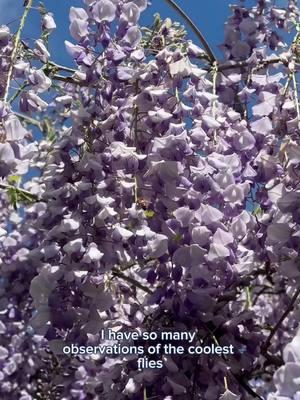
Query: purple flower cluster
[167,198]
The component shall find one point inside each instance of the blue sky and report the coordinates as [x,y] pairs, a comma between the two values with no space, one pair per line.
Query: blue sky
[209,16]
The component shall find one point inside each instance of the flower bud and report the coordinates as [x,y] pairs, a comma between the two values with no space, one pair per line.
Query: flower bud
[48,23]
[4,35]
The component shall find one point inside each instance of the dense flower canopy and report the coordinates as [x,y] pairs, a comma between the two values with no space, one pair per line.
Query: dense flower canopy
[167,197]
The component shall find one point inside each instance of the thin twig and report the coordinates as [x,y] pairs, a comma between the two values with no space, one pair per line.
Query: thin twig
[194,28]
[69,79]
[240,379]
[243,64]
[248,298]
[296,97]
[214,108]
[15,49]
[131,280]
[135,139]
[245,385]
[282,318]
[19,91]
[221,67]
[286,86]
[29,120]
[61,67]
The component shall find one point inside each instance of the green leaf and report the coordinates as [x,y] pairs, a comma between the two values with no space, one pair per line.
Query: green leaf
[257,211]
[26,198]
[177,237]
[157,22]
[149,213]
[17,195]
[14,180]
[13,197]
[50,132]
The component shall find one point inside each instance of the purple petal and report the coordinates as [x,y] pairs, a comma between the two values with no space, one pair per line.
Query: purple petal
[4,35]
[209,214]
[244,141]
[279,232]
[14,129]
[201,235]
[262,109]
[241,50]
[248,26]
[184,215]
[48,22]
[289,202]
[189,256]
[177,389]
[41,51]
[77,13]
[74,50]
[131,13]
[235,193]
[223,237]
[158,246]
[104,10]
[216,251]
[291,352]
[262,125]
[166,170]
[211,122]
[39,81]
[142,4]
[79,29]
[133,36]
[159,115]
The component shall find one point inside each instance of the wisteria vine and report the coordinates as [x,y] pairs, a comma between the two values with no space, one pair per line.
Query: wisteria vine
[167,197]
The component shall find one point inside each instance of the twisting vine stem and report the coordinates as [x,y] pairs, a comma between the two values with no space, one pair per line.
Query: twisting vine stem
[214,104]
[29,120]
[286,86]
[292,76]
[135,139]
[131,280]
[18,92]
[60,67]
[197,32]
[296,97]
[15,49]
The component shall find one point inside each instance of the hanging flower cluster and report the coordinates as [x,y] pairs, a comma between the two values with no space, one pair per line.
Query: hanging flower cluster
[167,198]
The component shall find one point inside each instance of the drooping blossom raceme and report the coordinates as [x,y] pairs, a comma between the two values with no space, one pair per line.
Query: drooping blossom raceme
[166,199]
